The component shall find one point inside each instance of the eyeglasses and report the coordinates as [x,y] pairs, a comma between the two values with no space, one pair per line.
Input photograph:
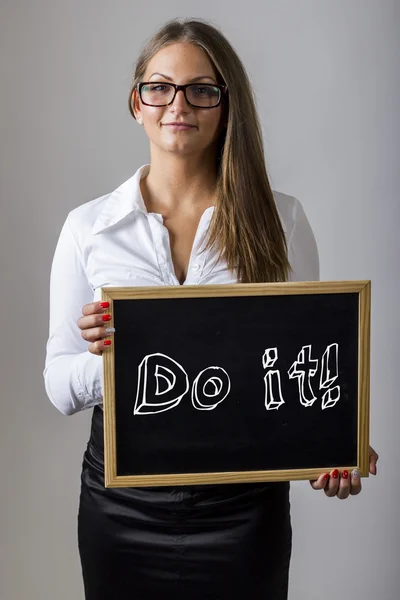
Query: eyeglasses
[198,95]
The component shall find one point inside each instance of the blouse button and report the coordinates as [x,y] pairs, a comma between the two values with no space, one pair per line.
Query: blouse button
[196,267]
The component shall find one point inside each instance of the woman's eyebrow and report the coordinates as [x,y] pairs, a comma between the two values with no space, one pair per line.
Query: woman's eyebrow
[190,81]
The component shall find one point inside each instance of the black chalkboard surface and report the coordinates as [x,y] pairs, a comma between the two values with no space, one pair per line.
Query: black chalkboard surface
[231,383]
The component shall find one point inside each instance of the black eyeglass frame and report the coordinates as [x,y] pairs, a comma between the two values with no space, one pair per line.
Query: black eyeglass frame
[222,89]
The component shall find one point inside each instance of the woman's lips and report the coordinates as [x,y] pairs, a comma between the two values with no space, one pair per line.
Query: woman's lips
[178,127]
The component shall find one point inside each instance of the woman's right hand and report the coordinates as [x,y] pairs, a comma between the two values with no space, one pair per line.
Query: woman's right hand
[95,326]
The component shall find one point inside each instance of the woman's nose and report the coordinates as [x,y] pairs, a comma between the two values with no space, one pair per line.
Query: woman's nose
[180,101]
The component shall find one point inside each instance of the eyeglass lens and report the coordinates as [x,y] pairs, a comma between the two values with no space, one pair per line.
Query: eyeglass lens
[200,95]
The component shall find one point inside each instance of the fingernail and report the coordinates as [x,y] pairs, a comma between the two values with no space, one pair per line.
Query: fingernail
[104,304]
[345,474]
[107,343]
[355,474]
[326,477]
[335,474]
[109,330]
[106,317]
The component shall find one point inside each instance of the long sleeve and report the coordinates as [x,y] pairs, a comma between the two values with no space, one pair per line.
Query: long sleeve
[302,248]
[73,376]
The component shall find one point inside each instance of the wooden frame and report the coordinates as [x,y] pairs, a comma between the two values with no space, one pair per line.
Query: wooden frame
[362,288]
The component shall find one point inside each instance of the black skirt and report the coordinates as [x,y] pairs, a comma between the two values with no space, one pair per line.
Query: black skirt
[205,542]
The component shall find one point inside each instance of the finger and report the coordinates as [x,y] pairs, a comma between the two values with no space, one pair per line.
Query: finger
[96,333]
[355,488]
[344,486]
[373,459]
[320,483]
[93,320]
[99,346]
[95,307]
[332,487]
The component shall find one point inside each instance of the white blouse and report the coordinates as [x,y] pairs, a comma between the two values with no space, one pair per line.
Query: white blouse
[114,241]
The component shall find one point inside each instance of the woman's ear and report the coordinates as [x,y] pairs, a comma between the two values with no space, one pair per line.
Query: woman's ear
[136,106]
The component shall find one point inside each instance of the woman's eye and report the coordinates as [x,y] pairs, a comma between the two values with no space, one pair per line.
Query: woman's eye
[206,90]
[202,90]
[157,88]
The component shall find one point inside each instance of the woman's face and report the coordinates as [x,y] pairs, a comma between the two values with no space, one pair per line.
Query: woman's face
[180,63]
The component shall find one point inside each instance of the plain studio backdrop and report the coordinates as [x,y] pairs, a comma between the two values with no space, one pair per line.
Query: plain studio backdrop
[326,78]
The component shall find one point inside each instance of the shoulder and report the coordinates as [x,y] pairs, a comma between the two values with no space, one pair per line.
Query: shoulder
[81,219]
[288,209]
[101,213]
[302,246]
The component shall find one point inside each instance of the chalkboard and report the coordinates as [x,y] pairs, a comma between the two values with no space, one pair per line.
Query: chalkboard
[229,383]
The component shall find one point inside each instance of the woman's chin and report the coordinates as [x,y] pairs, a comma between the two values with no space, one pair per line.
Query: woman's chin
[179,148]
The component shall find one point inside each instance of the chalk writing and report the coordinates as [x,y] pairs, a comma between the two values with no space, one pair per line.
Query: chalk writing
[272,380]
[215,378]
[163,382]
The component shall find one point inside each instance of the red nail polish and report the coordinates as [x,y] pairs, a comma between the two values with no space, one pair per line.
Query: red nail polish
[326,477]
[345,474]
[335,474]
[104,304]
[106,317]
[107,343]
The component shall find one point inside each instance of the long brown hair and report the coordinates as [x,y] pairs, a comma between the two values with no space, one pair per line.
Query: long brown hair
[245,227]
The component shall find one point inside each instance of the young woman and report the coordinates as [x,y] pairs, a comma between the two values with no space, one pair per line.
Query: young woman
[206,182]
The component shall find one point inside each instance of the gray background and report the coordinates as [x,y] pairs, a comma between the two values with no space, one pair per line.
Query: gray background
[326,76]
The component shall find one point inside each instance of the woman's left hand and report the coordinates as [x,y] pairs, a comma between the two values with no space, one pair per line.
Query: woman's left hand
[344,484]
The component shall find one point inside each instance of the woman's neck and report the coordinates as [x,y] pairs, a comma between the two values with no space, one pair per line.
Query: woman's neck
[179,184]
